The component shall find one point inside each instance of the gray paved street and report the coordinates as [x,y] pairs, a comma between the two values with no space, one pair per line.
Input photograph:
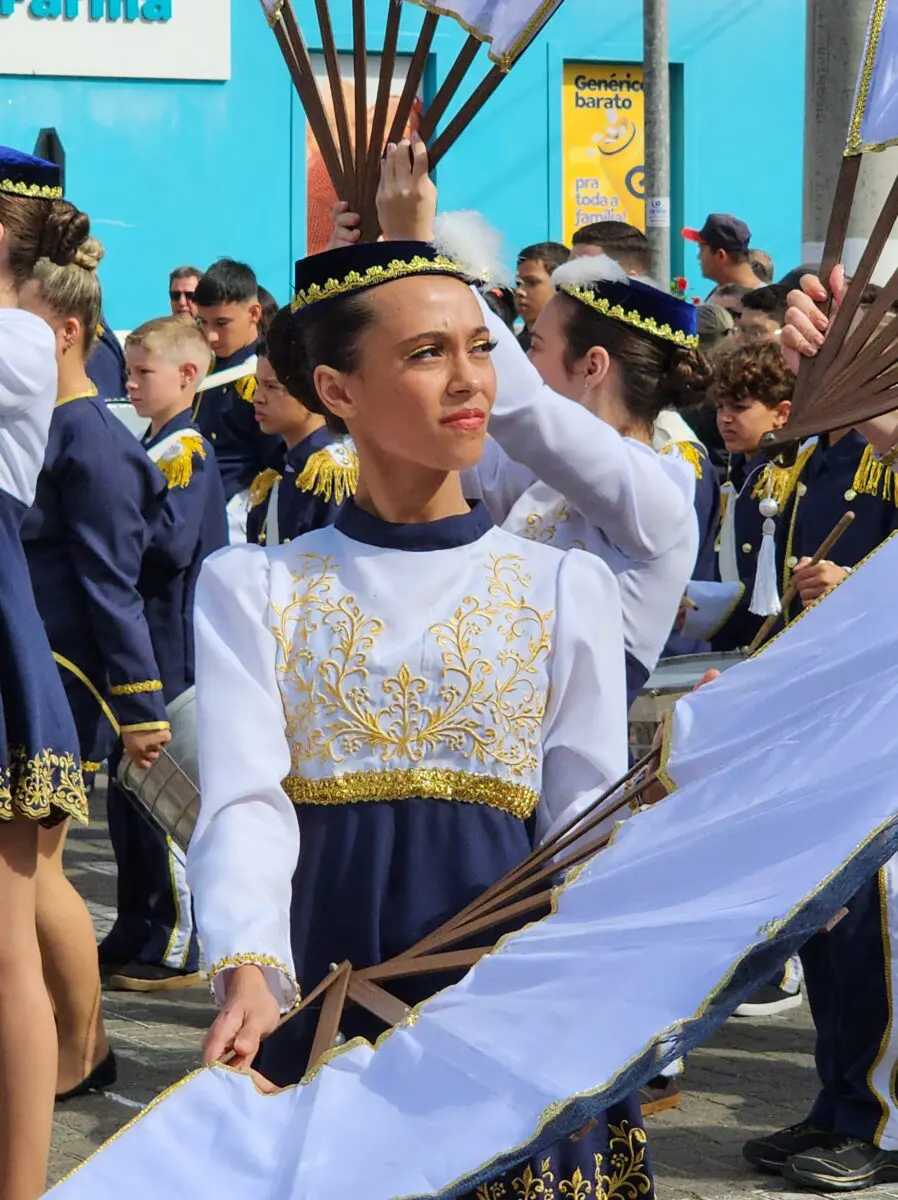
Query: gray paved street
[753,1076]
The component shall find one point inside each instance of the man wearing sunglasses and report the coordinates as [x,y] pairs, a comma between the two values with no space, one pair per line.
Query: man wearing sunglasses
[181,290]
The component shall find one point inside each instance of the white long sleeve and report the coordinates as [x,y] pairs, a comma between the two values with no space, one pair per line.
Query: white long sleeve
[27,396]
[497,481]
[585,730]
[245,849]
[639,499]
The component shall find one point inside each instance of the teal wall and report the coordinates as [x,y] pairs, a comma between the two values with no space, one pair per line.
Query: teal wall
[175,172]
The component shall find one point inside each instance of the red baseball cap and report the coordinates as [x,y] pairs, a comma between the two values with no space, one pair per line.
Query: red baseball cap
[722,232]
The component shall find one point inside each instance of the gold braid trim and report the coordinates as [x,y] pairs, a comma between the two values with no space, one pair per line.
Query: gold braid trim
[780,482]
[33,190]
[325,476]
[433,783]
[177,463]
[251,960]
[690,453]
[874,477]
[36,786]
[355,282]
[855,145]
[260,488]
[617,312]
[136,689]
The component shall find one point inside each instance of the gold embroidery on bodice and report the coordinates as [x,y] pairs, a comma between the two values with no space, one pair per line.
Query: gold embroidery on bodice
[486,707]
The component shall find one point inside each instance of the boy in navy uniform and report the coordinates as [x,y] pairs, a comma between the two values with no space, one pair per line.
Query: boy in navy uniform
[228,313]
[316,472]
[167,359]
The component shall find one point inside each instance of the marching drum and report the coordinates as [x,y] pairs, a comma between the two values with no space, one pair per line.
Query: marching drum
[671,679]
[169,789]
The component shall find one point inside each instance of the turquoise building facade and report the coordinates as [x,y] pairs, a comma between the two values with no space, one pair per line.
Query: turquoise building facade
[175,171]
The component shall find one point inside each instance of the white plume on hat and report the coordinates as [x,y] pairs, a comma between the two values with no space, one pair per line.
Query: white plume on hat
[590,269]
[469,240]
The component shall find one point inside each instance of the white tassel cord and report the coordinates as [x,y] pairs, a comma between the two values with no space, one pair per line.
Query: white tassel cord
[765,598]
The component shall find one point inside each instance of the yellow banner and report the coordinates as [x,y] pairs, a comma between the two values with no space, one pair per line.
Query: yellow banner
[603,145]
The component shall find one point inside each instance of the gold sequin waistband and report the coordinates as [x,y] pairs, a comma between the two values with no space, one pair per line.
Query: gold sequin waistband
[434,783]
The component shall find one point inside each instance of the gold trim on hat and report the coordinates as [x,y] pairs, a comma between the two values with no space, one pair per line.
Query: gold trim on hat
[34,191]
[356,281]
[617,312]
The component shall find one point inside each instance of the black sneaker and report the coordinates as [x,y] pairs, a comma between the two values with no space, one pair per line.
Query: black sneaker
[767,1001]
[659,1095]
[770,1154]
[148,977]
[845,1165]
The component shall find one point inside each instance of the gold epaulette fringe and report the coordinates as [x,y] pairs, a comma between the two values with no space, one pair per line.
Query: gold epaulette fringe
[690,453]
[260,488]
[780,482]
[246,388]
[873,478]
[331,473]
[177,464]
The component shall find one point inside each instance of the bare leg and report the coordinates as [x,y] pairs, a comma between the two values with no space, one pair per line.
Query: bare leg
[69,949]
[27,1035]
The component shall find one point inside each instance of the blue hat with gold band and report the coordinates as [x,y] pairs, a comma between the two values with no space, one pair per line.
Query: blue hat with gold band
[604,286]
[350,270]
[23,175]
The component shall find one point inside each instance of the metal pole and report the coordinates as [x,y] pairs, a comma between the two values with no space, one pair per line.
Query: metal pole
[657,135]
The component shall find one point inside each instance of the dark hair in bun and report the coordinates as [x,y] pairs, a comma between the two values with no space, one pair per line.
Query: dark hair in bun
[36,229]
[656,374]
[326,335]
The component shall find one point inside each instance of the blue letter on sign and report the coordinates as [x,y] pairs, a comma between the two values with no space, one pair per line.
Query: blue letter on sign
[45,8]
[156,10]
[7,7]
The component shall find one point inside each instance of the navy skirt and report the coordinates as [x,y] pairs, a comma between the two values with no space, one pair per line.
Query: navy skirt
[372,880]
[40,767]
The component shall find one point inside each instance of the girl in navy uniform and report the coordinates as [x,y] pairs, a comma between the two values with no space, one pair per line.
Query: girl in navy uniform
[85,536]
[40,775]
[384,704]
[316,472]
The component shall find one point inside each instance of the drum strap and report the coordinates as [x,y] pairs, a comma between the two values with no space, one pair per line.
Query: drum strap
[79,675]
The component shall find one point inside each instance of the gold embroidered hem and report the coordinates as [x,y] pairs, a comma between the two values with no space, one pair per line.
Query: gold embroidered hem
[146,727]
[136,689]
[626,1177]
[37,786]
[432,783]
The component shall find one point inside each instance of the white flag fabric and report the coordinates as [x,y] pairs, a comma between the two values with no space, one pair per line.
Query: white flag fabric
[874,122]
[508,25]
[786,798]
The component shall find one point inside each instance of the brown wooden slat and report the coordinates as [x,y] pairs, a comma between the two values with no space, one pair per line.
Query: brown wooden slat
[466,114]
[404,968]
[296,54]
[446,93]
[416,69]
[338,99]
[331,1014]
[379,123]
[376,1000]
[360,69]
